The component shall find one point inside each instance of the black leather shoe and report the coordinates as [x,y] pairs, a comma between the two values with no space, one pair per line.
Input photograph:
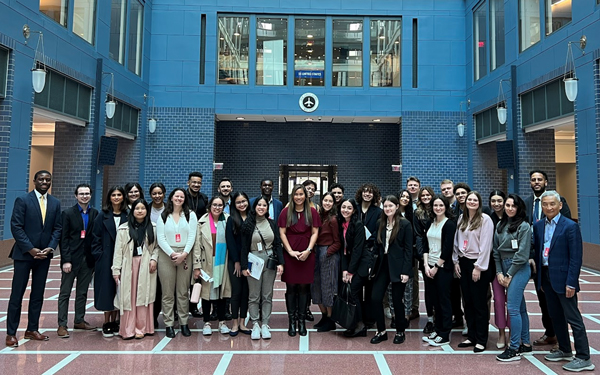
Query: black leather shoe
[399,338]
[213,316]
[466,344]
[360,333]
[185,330]
[393,323]
[379,337]
[170,332]
[196,314]
[327,326]
[228,316]
[309,316]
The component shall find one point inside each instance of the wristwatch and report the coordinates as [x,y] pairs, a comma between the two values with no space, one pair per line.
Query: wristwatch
[309,250]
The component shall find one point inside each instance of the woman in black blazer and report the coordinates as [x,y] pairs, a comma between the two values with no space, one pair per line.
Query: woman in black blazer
[394,248]
[439,269]
[356,261]
[113,214]
[421,222]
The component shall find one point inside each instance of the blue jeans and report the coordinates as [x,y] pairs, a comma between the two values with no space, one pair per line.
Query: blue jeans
[515,301]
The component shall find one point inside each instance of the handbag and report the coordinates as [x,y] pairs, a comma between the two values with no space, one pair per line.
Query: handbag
[344,311]
[196,290]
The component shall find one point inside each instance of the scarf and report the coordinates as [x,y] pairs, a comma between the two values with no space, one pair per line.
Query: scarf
[219,249]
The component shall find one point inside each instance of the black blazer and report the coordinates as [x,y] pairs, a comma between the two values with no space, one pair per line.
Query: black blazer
[355,259]
[247,241]
[421,226]
[399,252]
[27,227]
[369,220]
[234,241]
[564,211]
[199,204]
[73,248]
[104,234]
[448,232]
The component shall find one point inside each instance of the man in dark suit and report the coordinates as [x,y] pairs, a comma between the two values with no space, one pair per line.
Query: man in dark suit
[558,254]
[533,207]
[35,225]
[275,205]
[76,259]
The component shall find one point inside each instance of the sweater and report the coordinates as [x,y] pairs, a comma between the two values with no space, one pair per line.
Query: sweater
[503,247]
[478,243]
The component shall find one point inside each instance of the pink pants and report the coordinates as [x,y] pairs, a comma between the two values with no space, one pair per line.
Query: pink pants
[140,320]
[500,314]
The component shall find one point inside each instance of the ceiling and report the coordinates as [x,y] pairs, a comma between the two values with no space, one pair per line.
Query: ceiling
[309,118]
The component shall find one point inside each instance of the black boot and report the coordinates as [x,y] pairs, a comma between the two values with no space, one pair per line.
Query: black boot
[292,308]
[302,300]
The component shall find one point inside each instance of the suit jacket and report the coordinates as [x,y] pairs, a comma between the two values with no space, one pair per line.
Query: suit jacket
[370,219]
[277,207]
[565,211]
[399,252]
[73,248]
[355,258]
[28,229]
[104,235]
[565,255]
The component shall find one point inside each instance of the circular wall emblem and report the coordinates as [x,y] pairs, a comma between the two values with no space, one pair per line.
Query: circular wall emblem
[308,102]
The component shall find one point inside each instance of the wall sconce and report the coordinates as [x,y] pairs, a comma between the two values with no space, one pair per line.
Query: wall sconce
[460,128]
[38,75]
[570,78]
[501,106]
[152,120]
[110,103]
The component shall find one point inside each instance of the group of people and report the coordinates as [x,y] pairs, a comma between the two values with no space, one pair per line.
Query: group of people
[372,246]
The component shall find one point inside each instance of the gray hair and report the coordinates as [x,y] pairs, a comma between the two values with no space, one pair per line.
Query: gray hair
[551,193]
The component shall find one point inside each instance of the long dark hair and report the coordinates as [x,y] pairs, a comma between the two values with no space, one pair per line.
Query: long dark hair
[408,210]
[137,230]
[424,211]
[107,206]
[326,215]
[235,214]
[448,212]
[291,218]
[383,220]
[250,223]
[130,186]
[185,208]
[370,187]
[520,216]
[353,218]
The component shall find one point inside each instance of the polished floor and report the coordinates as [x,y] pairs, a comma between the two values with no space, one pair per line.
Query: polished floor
[324,353]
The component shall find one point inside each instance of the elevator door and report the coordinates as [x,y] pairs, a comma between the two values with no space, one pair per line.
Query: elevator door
[292,174]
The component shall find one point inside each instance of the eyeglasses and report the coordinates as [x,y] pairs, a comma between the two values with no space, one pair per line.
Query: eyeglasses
[216,205]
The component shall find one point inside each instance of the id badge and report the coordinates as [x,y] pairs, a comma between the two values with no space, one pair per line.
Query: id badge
[139,250]
[82,234]
[546,249]
[259,246]
[178,237]
[514,244]
[465,244]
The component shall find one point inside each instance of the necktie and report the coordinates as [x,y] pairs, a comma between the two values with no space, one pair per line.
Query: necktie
[43,208]
[536,210]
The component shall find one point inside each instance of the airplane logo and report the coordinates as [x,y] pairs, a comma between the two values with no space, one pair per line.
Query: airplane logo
[308,102]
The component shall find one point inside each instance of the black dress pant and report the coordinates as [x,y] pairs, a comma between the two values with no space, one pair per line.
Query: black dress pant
[39,273]
[441,289]
[456,298]
[380,286]
[221,306]
[564,311]
[356,291]
[477,310]
[546,320]
[239,293]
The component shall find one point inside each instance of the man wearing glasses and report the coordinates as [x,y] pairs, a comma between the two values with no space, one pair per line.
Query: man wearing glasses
[76,259]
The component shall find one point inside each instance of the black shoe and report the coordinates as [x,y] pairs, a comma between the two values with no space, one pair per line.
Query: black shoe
[213,316]
[309,316]
[428,328]
[393,323]
[360,333]
[524,349]
[228,316]
[107,330]
[170,332]
[466,344]
[321,322]
[185,330]
[196,313]
[457,323]
[478,350]
[379,337]
[509,355]
[329,325]
[399,338]
[292,309]
[302,327]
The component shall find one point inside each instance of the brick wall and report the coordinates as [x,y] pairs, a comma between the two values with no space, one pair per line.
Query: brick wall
[597,94]
[486,175]
[183,142]
[5,119]
[253,151]
[127,165]
[432,149]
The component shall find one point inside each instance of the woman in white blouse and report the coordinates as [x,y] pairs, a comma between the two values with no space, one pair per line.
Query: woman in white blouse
[176,232]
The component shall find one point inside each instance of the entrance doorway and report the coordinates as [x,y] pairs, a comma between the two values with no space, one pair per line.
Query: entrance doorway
[292,174]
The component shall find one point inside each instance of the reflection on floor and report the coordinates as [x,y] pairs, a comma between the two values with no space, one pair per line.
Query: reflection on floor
[326,353]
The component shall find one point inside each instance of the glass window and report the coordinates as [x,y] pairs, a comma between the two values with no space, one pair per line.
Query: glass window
[385,44]
[65,95]
[3,71]
[84,19]
[558,14]
[545,103]
[234,41]
[125,119]
[487,124]
[496,33]
[271,51]
[55,9]
[529,23]
[309,52]
[118,19]
[347,53]
[136,35]
[480,42]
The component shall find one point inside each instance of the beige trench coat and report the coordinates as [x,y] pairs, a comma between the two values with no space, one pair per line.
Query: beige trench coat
[203,258]
[146,292]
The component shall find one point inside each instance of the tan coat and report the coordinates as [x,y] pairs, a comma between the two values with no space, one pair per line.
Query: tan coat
[203,258]
[122,260]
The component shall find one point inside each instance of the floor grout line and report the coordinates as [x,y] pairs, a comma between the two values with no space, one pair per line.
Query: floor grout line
[161,344]
[537,363]
[223,363]
[304,344]
[382,364]
[59,366]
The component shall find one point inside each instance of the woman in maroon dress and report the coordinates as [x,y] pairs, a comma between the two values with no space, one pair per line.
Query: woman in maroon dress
[299,228]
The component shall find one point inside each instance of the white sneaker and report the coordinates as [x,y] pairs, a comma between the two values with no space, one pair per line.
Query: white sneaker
[223,328]
[207,330]
[430,338]
[255,335]
[265,333]
[439,341]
